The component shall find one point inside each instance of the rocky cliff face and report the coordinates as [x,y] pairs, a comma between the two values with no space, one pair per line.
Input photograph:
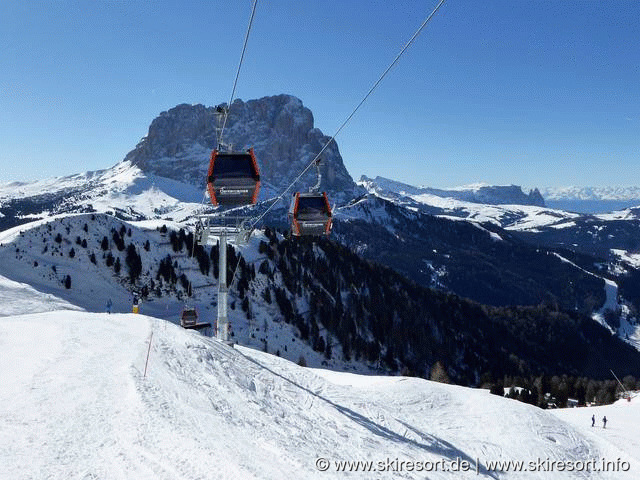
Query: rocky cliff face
[279,128]
[507,195]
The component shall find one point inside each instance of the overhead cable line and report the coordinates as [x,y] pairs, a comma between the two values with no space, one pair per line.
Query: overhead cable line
[375,85]
[235,82]
[326,145]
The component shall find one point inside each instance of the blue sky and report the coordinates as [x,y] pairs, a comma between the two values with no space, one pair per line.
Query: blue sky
[534,93]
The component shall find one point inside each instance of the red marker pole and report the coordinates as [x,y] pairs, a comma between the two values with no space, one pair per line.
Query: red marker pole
[148,351]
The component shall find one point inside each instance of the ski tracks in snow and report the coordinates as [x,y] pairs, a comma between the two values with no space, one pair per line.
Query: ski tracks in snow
[75,434]
[208,411]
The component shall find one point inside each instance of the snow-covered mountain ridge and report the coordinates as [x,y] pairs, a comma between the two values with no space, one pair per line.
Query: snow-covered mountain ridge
[506,206]
[485,194]
[164,175]
[123,190]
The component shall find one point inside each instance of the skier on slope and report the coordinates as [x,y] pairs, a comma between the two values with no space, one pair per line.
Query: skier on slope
[593,420]
[109,305]
[604,422]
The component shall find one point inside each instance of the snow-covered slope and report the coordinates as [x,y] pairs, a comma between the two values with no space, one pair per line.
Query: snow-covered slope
[19,298]
[36,259]
[75,404]
[623,423]
[123,190]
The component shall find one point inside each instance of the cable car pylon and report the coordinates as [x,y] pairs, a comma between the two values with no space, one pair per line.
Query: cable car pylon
[218,229]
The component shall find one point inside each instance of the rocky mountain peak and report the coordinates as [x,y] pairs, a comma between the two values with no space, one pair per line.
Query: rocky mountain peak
[280,129]
[536,197]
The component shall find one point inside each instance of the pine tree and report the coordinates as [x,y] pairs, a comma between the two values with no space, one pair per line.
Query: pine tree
[133,262]
[264,268]
[328,351]
[267,295]
[497,389]
[117,239]
[176,244]
[186,286]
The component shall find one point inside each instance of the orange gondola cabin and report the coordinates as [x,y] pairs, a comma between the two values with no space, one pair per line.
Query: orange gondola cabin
[310,214]
[233,178]
[189,320]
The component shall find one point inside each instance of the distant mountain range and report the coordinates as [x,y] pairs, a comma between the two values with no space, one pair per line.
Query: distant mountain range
[592,199]
[486,194]
[592,193]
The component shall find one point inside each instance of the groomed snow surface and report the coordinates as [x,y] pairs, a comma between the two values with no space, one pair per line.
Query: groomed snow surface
[75,404]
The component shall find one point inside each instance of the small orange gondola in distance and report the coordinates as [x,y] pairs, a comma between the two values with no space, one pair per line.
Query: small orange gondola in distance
[233,178]
[310,214]
[189,320]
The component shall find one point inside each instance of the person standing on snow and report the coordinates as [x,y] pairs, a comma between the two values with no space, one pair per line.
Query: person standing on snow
[109,305]
[604,422]
[593,420]
[136,303]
